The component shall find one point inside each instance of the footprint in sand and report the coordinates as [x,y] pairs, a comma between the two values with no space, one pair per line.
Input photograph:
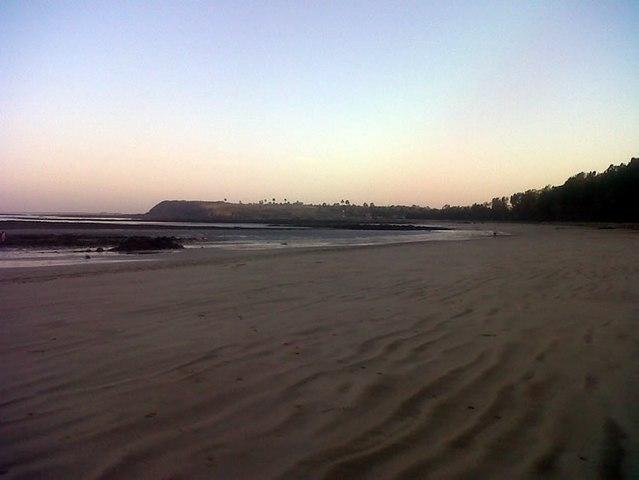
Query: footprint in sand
[588,337]
[590,381]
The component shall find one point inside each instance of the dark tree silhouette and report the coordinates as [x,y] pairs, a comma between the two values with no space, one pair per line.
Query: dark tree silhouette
[609,196]
[612,195]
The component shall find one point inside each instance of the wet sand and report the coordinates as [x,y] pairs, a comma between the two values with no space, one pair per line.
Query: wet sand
[506,357]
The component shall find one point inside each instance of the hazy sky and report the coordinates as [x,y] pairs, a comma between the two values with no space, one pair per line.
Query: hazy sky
[114,106]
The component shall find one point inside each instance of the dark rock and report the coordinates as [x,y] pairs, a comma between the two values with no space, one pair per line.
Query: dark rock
[99,249]
[140,244]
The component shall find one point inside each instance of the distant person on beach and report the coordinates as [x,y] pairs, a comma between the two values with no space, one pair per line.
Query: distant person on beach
[3,237]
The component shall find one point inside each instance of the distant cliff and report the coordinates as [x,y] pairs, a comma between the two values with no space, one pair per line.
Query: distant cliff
[218,211]
[183,210]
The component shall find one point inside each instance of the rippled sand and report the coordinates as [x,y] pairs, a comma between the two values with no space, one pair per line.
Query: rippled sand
[506,357]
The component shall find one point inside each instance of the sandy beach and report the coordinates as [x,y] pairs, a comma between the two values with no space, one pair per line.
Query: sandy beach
[508,357]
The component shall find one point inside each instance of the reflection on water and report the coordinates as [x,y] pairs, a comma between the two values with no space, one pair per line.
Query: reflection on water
[314,238]
[123,221]
[254,237]
[23,257]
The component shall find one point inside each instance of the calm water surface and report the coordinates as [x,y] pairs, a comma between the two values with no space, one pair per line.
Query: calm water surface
[196,235]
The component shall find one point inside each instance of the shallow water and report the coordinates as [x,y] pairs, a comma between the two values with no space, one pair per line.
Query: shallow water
[32,257]
[123,221]
[330,238]
[196,235]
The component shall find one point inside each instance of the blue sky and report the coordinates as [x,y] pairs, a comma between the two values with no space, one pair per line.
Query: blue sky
[117,105]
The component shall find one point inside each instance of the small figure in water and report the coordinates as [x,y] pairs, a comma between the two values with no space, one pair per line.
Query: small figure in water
[3,237]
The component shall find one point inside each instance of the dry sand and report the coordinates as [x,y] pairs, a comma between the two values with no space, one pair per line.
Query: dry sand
[507,357]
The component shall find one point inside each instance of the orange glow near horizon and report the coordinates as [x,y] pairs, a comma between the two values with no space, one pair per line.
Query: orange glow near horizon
[109,110]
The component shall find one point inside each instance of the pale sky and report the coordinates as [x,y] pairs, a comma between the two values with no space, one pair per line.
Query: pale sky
[114,106]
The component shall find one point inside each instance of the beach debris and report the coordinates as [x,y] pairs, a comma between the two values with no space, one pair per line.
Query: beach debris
[87,257]
[99,249]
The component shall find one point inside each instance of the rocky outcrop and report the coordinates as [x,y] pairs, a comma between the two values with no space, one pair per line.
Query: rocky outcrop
[142,244]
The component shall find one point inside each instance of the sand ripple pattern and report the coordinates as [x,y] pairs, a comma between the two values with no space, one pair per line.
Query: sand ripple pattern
[498,358]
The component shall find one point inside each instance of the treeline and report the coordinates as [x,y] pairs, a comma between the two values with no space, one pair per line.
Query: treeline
[610,196]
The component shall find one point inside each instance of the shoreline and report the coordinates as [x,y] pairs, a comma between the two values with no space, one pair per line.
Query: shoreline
[24,246]
[290,224]
[206,256]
